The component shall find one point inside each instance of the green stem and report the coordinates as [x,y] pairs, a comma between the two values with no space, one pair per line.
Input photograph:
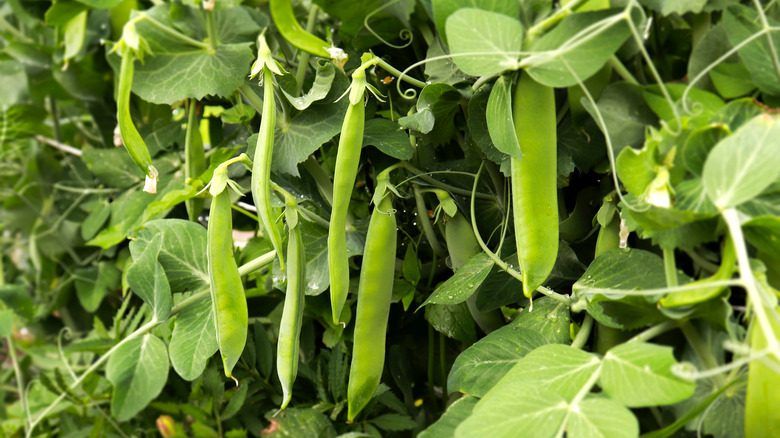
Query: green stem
[443,362]
[211,30]
[431,346]
[55,118]
[174,33]
[654,331]
[425,221]
[324,184]
[622,71]
[426,176]
[19,380]
[8,27]
[251,97]
[397,73]
[559,15]
[584,333]
[703,351]
[670,268]
[303,58]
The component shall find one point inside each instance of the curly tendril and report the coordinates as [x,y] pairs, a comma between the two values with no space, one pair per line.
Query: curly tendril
[404,34]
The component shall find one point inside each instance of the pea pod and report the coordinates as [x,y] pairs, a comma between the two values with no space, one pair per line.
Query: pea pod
[347,160]
[534,187]
[373,307]
[762,397]
[288,347]
[287,25]
[227,292]
[130,137]
[195,158]
[727,268]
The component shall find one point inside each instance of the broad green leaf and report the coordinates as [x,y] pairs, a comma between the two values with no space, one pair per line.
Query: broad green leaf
[445,426]
[610,276]
[146,278]
[138,371]
[740,167]
[94,282]
[441,102]
[236,402]
[625,114]
[6,322]
[483,42]
[691,196]
[112,166]
[549,318]
[478,127]
[463,283]
[182,254]
[13,83]
[171,199]
[648,368]
[194,339]
[452,320]
[75,33]
[669,7]
[601,417]
[17,299]
[699,144]
[499,118]
[742,22]
[705,104]
[177,70]
[442,9]
[387,136]
[764,233]
[441,70]
[577,47]
[526,412]
[559,368]
[732,79]
[319,89]
[100,4]
[482,365]
[295,423]
[394,422]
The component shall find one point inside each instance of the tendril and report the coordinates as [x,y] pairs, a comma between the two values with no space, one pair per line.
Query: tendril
[65,333]
[404,34]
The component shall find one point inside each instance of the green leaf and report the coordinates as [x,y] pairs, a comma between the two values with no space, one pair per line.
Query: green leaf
[236,402]
[394,422]
[19,121]
[669,7]
[625,114]
[13,83]
[182,254]
[94,282]
[482,365]
[499,118]
[295,423]
[564,55]
[742,22]
[18,300]
[421,121]
[699,144]
[648,368]
[442,9]
[6,322]
[761,418]
[740,167]
[319,89]
[732,79]
[764,233]
[441,101]
[463,283]
[112,166]
[482,42]
[606,281]
[194,339]
[445,426]
[75,34]
[178,70]
[601,417]
[549,318]
[388,137]
[146,278]
[138,371]
[454,321]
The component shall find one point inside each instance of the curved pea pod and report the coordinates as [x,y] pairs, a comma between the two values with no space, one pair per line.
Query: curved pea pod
[347,160]
[231,316]
[534,186]
[725,271]
[609,236]
[288,346]
[287,25]
[373,308]
[130,137]
[261,166]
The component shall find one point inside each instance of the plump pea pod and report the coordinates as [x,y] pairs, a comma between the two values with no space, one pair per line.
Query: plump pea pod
[728,265]
[762,418]
[462,245]
[195,158]
[130,137]
[609,236]
[292,316]
[347,160]
[373,307]
[227,292]
[534,191]
[285,21]
[261,167]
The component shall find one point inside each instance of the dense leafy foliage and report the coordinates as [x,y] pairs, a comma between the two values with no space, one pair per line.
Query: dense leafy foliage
[659,315]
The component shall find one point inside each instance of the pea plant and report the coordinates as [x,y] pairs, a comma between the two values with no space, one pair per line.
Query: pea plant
[390,218]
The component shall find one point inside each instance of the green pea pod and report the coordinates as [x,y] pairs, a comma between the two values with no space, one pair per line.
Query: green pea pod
[195,158]
[227,292]
[762,418]
[373,308]
[727,268]
[347,160]
[292,316]
[462,245]
[609,236]
[261,167]
[534,187]
[130,137]
[287,25]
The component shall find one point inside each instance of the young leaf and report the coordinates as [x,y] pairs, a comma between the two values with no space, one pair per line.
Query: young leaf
[445,426]
[499,118]
[194,339]
[147,279]
[464,283]
[483,42]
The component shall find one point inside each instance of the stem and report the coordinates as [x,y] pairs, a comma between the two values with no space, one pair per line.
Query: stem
[55,118]
[703,351]
[425,221]
[670,268]
[303,59]
[57,145]
[622,71]
[324,184]
[251,97]
[8,27]
[538,28]
[173,32]
[584,333]
[757,301]
[431,346]
[443,362]
[19,380]
[425,176]
[211,30]
[400,75]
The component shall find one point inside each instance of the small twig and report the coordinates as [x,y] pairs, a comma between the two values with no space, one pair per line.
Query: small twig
[57,145]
